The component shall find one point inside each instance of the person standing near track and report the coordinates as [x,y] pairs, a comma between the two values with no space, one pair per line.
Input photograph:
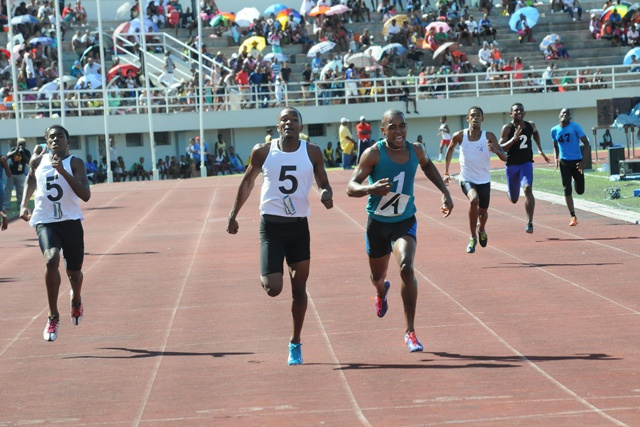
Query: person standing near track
[476,147]
[516,139]
[58,180]
[445,135]
[391,165]
[288,166]
[571,156]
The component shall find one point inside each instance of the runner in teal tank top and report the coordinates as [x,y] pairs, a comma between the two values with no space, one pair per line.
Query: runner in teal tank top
[390,166]
[398,204]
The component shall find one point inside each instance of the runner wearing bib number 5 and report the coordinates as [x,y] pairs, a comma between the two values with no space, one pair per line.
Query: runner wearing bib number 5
[289,166]
[58,181]
[391,166]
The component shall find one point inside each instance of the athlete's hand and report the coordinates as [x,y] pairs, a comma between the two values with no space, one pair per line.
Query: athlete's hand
[326,197]
[447,205]
[25,214]
[56,163]
[446,179]
[557,164]
[581,165]
[232,226]
[380,188]
[546,159]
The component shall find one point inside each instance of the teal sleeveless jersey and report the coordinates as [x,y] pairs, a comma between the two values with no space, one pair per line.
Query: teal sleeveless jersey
[398,204]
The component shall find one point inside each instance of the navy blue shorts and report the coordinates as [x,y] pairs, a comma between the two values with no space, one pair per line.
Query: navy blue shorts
[381,236]
[518,176]
[67,236]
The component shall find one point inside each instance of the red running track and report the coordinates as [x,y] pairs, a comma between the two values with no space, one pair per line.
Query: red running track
[533,330]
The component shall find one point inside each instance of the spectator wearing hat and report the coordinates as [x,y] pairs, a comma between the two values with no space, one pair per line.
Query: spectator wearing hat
[363,130]
[347,143]
[76,70]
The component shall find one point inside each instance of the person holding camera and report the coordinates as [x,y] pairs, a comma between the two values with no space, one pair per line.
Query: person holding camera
[18,158]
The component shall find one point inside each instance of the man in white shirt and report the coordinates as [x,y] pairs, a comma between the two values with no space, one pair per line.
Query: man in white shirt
[393,31]
[91,67]
[484,55]
[472,26]
[633,36]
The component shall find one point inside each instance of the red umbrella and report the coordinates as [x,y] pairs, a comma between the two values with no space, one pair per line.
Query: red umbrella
[123,69]
[6,53]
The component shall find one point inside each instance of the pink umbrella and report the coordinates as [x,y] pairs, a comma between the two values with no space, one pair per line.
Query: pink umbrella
[437,25]
[338,9]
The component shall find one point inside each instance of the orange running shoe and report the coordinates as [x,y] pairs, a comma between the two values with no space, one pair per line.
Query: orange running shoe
[574,221]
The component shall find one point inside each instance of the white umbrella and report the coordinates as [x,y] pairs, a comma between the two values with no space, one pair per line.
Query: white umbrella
[95,81]
[245,17]
[69,80]
[548,40]
[333,65]
[322,47]
[361,60]
[375,52]
[279,56]
[124,10]
[443,47]
[338,9]
[48,89]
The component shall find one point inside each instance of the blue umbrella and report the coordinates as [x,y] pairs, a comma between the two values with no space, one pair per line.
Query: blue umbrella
[25,19]
[627,58]
[531,13]
[400,49]
[44,40]
[274,8]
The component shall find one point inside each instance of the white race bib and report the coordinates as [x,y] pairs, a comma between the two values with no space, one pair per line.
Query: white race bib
[393,204]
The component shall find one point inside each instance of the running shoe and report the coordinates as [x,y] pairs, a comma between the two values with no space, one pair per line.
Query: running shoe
[483,238]
[529,228]
[411,341]
[471,247]
[51,330]
[295,354]
[76,312]
[574,221]
[381,303]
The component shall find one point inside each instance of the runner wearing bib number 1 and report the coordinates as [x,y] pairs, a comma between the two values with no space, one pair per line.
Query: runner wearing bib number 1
[391,165]
[288,166]
[58,181]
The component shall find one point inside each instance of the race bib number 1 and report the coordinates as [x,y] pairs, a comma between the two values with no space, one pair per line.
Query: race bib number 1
[393,204]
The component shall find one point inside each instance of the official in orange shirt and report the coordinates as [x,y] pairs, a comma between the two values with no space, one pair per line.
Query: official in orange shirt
[363,130]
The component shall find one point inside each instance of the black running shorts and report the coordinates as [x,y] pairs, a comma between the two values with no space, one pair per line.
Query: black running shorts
[283,240]
[67,236]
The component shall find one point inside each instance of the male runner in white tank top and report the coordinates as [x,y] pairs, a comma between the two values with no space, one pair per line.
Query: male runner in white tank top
[476,147]
[58,181]
[289,167]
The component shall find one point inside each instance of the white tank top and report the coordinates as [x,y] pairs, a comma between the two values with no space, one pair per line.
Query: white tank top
[443,133]
[475,159]
[287,179]
[54,200]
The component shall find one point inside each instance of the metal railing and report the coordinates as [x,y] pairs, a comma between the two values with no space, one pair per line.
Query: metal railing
[176,99]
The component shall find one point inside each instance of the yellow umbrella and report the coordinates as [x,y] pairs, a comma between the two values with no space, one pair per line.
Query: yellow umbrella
[248,43]
[400,19]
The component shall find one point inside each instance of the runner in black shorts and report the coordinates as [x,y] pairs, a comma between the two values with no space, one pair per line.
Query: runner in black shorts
[280,239]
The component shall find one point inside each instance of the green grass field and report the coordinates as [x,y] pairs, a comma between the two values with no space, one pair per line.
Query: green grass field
[597,185]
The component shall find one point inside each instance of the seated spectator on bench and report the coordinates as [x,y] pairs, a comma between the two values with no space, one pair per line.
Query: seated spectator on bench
[572,6]
[235,161]
[607,140]
[138,170]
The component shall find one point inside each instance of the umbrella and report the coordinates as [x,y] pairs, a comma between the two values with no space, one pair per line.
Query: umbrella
[531,13]
[443,47]
[338,9]
[24,19]
[321,47]
[274,9]
[6,53]
[287,12]
[70,80]
[17,48]
[549,40]
[245,16]
[279,56]
[44,40]
[222,19]
[360,60]
[95,81]
[621,8]
[122,68]
[400,19]
[124,10]
[627,58]
[375,52]
[633,13]
[333,65]
[48,89]
[400,49]
[135,26]
[91,49]
[437,25]
[248,43]
[319,10]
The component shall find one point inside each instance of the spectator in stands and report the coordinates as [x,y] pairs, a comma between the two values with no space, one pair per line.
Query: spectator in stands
[633,36]
[316,63]
[167,69]
[473,28]
[571,7]
[347,143]
[92,170]
[77,44]
[18,158]
[92,67]
[236,163]
[76,70]
[594,26]
[547,78]
[329,156]
[615,19]
[486,28]
[441,37]
[393,32]
[524,30]
[220,163]
[138,170]
[462,31]
[80,14]
[562,52]
[414,57]
[484,55]
[635,64]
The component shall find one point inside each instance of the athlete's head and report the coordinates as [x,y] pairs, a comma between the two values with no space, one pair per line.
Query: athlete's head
[57,139]
[289,123]
[394,127]
[475,116]
[565,116]
[46,132]
[443,119]
[517,111]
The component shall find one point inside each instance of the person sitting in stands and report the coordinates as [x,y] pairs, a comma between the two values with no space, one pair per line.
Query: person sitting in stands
[235,161]
[137,170]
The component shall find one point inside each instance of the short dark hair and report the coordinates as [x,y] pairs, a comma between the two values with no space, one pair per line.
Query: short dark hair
[60,127]
[475,107]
